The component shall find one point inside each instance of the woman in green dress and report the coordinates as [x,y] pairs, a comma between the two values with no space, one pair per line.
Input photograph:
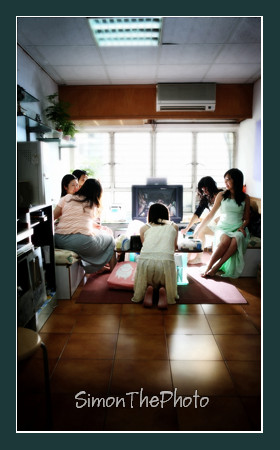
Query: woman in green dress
[231,233]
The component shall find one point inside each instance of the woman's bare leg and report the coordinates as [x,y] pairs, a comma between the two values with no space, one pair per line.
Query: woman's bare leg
[196,260]
[230,251]
[219,252]
[113,261]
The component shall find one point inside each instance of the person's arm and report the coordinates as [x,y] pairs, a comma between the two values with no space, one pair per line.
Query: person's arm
[211,214]
[196,215]
[57,212]
[58,209]
[246,216]
[142,232]
[193,220]
[176,237]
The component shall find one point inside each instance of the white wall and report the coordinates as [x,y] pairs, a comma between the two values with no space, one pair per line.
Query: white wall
[36,82]
[248,157]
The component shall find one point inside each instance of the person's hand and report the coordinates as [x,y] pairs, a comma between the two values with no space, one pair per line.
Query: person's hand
[241,230]
[184,231]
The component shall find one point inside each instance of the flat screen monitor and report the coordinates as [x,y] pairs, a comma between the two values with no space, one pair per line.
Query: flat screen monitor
[145,195]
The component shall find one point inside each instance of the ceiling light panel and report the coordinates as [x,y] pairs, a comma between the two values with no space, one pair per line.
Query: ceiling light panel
[126,31]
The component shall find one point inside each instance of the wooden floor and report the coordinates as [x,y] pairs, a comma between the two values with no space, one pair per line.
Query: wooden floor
[208,358]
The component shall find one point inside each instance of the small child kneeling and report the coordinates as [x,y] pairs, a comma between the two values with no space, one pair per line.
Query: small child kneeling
[156,267]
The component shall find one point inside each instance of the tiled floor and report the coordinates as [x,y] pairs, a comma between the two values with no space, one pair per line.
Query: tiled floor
[208,358]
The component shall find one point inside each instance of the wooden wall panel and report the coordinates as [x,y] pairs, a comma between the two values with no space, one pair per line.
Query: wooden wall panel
[233,101]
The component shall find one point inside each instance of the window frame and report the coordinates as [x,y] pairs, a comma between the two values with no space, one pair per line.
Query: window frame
[153,130]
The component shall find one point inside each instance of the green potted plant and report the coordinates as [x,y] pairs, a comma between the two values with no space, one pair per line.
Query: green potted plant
[69,130]
[57,112]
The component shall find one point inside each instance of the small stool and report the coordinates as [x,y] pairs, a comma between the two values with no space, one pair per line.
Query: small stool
[28,341]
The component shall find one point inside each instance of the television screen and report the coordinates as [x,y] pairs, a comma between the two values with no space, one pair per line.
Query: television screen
[145,195]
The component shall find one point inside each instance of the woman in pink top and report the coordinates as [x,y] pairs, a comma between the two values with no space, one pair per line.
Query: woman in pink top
[78,231]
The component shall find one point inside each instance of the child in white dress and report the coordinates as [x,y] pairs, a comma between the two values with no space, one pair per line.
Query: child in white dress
[156,265]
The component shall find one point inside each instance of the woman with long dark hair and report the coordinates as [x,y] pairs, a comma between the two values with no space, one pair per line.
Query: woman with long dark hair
[69,184]
[81,175]
[231,232]
[77,229]
[207,191]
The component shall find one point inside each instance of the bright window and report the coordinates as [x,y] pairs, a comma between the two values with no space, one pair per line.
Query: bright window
[174,157]
[132,162]
[214,152]
[93,155]
[121,159]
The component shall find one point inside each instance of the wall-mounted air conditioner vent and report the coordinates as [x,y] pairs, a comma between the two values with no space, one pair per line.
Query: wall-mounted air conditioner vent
[186,97]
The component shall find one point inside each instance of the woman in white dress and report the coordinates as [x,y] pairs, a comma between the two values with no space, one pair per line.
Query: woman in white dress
[156,267]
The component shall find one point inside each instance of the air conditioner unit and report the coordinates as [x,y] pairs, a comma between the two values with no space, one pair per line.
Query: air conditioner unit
[186,97]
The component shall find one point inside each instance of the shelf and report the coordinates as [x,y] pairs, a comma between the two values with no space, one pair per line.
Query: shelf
[37,220]
[24,248]
[32,126]
[34,224]
[36,208]
[48,139]
[25,97]
[24,234]
[70,145]
[39,128]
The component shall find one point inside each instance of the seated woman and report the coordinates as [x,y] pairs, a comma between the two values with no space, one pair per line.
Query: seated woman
[207,191]
[77,231]
[81,175]
[231,232]
[69,184]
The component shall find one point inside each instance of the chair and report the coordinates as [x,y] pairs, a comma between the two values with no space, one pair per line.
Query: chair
[28,341]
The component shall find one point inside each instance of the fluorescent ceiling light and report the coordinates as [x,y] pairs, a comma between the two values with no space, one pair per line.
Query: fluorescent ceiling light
[126,31]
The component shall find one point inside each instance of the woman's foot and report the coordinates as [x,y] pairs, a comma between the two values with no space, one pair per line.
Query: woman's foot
[105,269]
[209,273]
[148,300]
[162,299]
